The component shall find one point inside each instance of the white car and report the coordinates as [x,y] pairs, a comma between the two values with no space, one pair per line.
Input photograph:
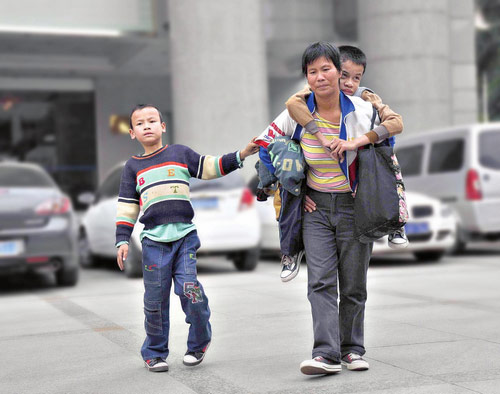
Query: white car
[225,217]
[431,229]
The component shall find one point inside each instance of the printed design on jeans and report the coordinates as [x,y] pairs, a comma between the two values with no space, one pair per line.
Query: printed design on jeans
[150,267]
[403,208]
[193,292]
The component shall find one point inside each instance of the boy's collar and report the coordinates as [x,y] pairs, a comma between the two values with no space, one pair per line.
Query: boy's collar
[144,156]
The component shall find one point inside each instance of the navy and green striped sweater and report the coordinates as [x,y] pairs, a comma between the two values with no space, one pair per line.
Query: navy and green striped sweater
[159,184]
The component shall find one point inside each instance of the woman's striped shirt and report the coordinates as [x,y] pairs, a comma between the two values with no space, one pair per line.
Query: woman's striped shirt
[324,173]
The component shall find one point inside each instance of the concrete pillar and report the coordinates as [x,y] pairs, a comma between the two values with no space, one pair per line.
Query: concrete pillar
[421,59]
[218,72]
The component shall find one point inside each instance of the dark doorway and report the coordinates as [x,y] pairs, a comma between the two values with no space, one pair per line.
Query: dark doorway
[55,130]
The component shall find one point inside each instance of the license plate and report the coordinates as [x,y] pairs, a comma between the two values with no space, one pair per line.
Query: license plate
[11,248]
[205,203]
[417,228]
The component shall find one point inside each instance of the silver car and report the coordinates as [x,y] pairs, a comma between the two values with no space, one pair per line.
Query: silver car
[37,224]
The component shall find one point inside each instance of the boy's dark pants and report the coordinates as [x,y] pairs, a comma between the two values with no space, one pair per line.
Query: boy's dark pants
[163,262]
[290,222]
[333,253]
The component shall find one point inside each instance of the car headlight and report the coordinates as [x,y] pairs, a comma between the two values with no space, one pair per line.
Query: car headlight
[446,211]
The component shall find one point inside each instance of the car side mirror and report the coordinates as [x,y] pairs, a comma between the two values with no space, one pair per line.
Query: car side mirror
[86,198]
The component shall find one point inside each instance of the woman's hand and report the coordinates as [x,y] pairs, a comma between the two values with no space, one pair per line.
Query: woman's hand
[249,150]
[309,204]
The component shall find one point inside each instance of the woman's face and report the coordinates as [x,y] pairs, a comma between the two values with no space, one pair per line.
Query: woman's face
[323,77]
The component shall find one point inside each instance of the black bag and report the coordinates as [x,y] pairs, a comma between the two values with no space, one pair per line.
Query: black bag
[379,203]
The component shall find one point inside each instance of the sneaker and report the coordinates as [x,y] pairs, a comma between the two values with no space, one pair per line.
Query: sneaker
[398,240]
[156,365]
[354,362]
[291,266]
[194,358]
[319,366]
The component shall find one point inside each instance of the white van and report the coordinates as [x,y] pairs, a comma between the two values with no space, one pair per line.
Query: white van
[460,165]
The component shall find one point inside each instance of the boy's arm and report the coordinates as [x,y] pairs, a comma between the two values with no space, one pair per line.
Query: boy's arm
[128,207]
[391,123]
[298,110]
[211,167]
[126,214]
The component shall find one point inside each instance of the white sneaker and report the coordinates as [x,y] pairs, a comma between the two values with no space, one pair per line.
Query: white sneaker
[354,362]
[156,364]
[398,240]
[291,266]
[194,358]
[319,366]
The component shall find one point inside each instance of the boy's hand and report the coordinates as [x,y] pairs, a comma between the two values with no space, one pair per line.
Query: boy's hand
[338,147]
[309,204]
[249,150]
[121,255]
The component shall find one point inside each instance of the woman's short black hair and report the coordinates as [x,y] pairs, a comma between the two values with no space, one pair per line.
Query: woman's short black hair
[320,49]
[142,106]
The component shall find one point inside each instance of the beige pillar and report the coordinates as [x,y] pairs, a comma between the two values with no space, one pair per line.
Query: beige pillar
[218,72]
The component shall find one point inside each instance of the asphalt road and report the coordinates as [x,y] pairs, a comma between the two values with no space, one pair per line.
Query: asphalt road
[430,328]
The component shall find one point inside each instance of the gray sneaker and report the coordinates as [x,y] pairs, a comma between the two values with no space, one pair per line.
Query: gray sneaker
[194,358]
[320,366]
[291,266]
[156,364]
[354,362]
[398,240]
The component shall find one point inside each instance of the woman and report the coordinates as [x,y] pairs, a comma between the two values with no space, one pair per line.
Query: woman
[332,251]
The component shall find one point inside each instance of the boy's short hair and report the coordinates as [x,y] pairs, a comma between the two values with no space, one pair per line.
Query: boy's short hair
[354,54]
[317,50]
[142,106]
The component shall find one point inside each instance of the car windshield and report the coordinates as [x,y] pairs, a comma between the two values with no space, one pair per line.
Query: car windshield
[231,181]
[17,176]
[488,149]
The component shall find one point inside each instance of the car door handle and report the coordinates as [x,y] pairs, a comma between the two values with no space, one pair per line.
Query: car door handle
[486,177]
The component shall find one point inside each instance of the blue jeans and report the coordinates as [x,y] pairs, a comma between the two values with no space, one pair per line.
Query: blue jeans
[337,263]
[163,262]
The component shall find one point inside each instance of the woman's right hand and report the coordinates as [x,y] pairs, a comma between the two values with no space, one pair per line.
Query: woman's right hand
[309,204]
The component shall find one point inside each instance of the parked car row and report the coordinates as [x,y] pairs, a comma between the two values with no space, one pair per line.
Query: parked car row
[452,178]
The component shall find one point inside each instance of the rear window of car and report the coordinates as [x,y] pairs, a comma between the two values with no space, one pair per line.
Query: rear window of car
[13,176]
[446,156]
[111,185]
[489,141]
[410,159]
[231,181]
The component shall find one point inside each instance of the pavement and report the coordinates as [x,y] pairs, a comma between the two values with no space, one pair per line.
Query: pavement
[430,328]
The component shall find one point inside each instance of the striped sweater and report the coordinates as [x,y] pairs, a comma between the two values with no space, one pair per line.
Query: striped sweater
[158,184]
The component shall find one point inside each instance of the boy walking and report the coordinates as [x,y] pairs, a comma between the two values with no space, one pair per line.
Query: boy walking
[158,183]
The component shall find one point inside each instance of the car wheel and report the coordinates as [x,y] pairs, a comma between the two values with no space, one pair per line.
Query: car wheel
[246,260]
[67,276]
[428,256]
[85,256]
[133,264]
